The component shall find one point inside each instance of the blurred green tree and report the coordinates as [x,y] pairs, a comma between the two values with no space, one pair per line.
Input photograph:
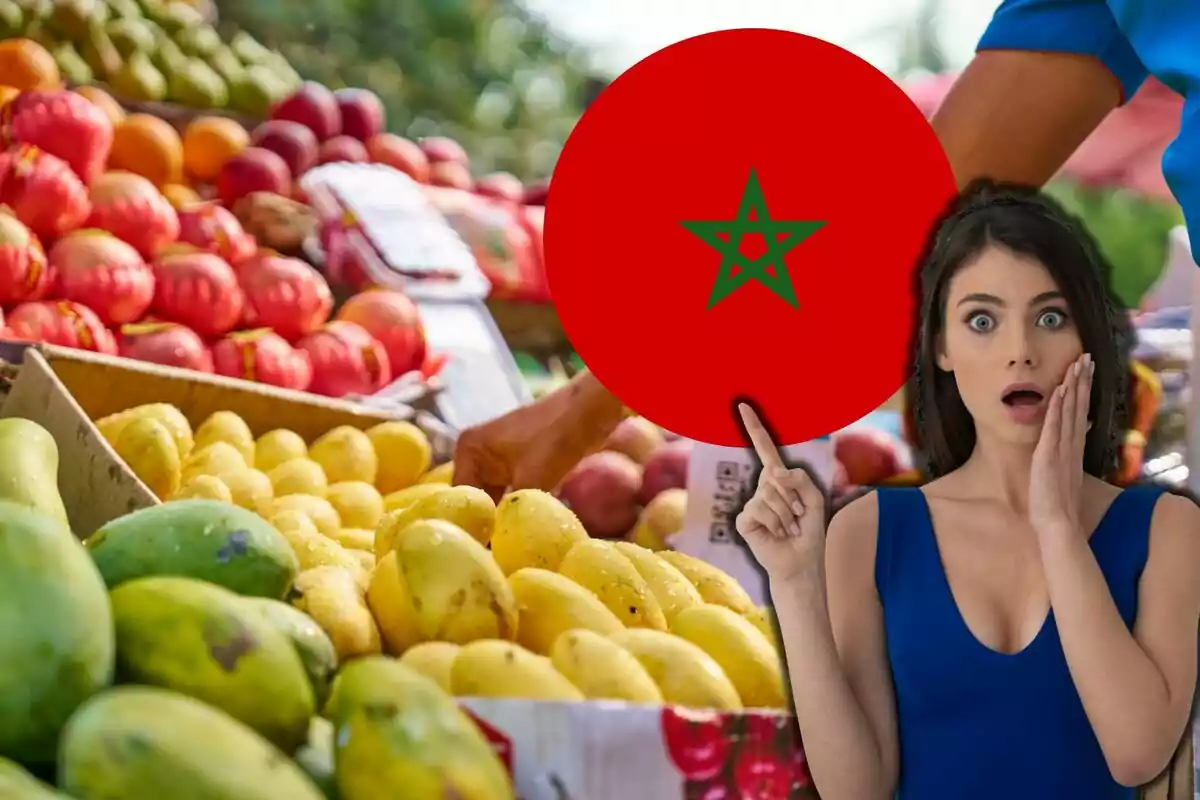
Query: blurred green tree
[487,73]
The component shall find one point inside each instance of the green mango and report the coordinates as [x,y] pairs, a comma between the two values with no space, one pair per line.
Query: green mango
[125,9]
[256,91]
[177,16]
[198,86]
[168,58]
[70,19]
[12,19]
[139,81]
[226,64]
[100,54]
[59,642]
[201,40]
[248,49]
[71,65]
[17,784]
[130,36]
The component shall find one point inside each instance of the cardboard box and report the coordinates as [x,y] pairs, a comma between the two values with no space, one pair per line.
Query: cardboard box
[615,751]
[64,390]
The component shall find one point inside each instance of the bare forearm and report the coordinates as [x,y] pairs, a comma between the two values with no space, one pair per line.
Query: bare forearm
[1124,693]
[595,411]
[842,751]
[1018,116]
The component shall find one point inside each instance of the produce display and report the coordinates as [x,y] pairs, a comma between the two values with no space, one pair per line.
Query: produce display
[293,608]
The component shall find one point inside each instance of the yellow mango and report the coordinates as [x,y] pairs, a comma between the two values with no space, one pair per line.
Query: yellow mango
[333,599]
[299,476]
[493,668]
[602,669]
[549,605]
[714,585]
[276,447]
[433,660]
[404,454]
[744,654]
[533,529]
[466,507]
[147,447]
[358,504]
[228,427]
[673,591]
[346,454]
[603,570]
[686,675]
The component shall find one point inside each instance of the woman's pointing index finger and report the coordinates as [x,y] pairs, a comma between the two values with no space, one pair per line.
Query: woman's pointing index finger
[760,440]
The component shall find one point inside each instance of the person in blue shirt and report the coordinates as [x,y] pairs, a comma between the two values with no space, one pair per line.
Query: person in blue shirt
[1016,627]
[1046,74]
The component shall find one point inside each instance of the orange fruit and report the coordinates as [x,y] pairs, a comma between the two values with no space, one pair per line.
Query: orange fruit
[25,65]
[180,196]
[147,146]
[104,101]
[208,142]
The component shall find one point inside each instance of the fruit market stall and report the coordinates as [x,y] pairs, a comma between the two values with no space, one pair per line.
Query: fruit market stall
[291,580]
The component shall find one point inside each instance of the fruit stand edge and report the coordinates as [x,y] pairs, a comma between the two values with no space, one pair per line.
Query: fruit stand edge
[95,485]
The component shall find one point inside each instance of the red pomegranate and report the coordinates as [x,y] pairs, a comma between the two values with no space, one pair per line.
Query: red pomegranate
[214,229]
[199,290]
[64,124]
[61,323]
[24,271]
[345,360]
[262,356]
[284,294]
[104,273]
[392,319]
[131,208]
[165,343]
[42,191]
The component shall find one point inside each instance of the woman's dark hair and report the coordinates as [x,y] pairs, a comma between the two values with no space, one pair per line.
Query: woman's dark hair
[1026,222]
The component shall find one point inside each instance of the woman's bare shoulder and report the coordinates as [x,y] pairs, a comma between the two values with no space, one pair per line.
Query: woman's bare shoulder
[854,526]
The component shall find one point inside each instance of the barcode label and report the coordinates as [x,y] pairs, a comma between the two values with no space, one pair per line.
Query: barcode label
[731,484]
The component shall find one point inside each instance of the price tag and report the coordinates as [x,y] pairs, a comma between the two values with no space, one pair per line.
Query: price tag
[718,480]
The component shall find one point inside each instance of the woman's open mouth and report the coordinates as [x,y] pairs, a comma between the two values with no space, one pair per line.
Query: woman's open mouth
[1026,404]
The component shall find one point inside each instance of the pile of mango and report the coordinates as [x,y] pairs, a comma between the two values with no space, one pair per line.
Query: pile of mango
[153,50]
[244,640]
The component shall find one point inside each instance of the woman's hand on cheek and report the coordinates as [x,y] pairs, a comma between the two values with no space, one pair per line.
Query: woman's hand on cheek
[1056,477]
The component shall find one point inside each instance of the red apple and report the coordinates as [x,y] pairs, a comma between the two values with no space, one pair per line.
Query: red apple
[450,174]
[439,149]
[63,323]
[869,456]
[500,186]
[24,271]
[104,273]
[42,191]
[253,170]
[343,148]
[213,228]
[165,343]
[635,437]
[345,360]
[284,294]
[64,124]
[666,468]
[199,290]
[393,320]
[314,107]
[602,490]
[135,211]
[536,193]
[399,153]
[262,356]
[294,143]
[362,113]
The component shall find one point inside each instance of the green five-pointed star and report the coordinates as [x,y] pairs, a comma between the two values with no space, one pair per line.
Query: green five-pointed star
[737,268]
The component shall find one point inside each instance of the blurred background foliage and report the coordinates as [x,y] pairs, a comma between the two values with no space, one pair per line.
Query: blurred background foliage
[488,73]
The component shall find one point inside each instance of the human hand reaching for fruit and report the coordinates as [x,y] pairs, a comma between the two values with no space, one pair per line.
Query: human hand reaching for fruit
[783,523]
[1056,476]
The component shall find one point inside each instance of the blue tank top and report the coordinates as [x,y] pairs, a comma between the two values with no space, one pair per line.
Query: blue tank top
[974,722]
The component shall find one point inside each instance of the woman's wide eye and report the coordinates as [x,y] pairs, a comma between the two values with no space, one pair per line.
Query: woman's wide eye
[980,322]
[1052,319]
